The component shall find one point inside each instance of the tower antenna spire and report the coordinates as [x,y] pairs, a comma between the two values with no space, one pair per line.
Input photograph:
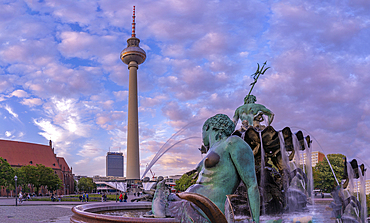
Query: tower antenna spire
[133,23]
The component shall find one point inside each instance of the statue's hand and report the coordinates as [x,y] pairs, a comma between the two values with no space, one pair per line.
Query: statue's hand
[203,149]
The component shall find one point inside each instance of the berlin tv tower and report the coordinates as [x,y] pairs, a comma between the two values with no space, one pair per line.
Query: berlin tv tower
[133,55]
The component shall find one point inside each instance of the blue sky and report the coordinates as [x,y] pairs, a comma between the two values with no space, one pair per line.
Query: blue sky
[61,77]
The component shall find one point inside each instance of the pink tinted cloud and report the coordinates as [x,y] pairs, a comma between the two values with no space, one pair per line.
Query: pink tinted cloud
[110,120]
[28,47]
[6,83]
[153,101]
[328,26]
[31,102]
[81,12]
[121,95]
[60,80]
[76,44]
[173,111]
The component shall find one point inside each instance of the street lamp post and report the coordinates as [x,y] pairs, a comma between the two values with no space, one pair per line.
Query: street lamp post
[116,190]
[16,193]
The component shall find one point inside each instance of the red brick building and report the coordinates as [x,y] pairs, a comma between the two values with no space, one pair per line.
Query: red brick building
[19,154]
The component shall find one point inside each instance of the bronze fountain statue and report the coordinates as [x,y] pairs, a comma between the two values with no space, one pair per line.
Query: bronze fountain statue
[231,170]
[235,166]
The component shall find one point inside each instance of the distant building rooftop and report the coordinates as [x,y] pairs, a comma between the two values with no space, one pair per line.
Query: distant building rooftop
[23,154]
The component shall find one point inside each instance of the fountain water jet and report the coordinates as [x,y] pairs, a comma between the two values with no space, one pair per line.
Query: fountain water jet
[163,149]
[154,160]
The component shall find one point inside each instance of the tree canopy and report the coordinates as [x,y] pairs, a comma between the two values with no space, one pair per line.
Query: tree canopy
[86,184]
[38,176]
[323,176]
[185,181]
[6,173]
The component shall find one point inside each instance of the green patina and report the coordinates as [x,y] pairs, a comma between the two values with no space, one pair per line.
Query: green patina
[251,114]
[229,161]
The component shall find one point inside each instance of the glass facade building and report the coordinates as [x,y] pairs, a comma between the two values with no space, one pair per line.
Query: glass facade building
[114,164]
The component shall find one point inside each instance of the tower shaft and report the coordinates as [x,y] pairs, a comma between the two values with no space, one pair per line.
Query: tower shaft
[133,163]
[133,55]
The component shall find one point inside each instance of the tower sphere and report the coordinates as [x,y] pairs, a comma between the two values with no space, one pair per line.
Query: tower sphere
[133,52]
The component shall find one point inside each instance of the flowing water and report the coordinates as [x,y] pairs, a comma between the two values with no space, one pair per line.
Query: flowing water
[262,175]
[351,176]
[309,173]
[297,155]
[285,161]
[363,196]
[165,147]
[155,159]
[318,213]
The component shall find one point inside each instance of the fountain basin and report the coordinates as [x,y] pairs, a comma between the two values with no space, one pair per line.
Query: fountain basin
[86,213]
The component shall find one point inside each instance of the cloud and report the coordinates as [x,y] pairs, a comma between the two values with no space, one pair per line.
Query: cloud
[121,95]
[8,134]
[63,123]
[111,120]
[59,80]
[174,112]
[118,138]
[153,101]
[76,44]
[31,102]
[11,112]
[90,149]
[6,82]
[19,94]
[50,131]
[19,52]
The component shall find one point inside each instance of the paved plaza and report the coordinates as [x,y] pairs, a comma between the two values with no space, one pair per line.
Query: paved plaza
[44,213]
[37,211]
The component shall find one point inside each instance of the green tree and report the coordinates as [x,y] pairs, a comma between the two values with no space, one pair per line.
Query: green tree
[21,179]
[185,181]
[75,185]
[324,178]
[41,175]
[368,204]
[86,184]
[6,175]
[48,178]
[53,182]
[32,176]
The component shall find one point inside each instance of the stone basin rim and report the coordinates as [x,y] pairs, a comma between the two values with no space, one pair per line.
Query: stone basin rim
[84,213]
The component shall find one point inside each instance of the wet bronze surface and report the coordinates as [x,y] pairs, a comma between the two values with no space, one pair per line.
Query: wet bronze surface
[211,160]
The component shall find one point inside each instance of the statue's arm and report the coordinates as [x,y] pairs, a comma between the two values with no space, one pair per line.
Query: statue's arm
[271,118]
[243,159]
[269,114]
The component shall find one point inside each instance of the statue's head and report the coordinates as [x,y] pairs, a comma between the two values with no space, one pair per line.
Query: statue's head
[220,123]
[250,99]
